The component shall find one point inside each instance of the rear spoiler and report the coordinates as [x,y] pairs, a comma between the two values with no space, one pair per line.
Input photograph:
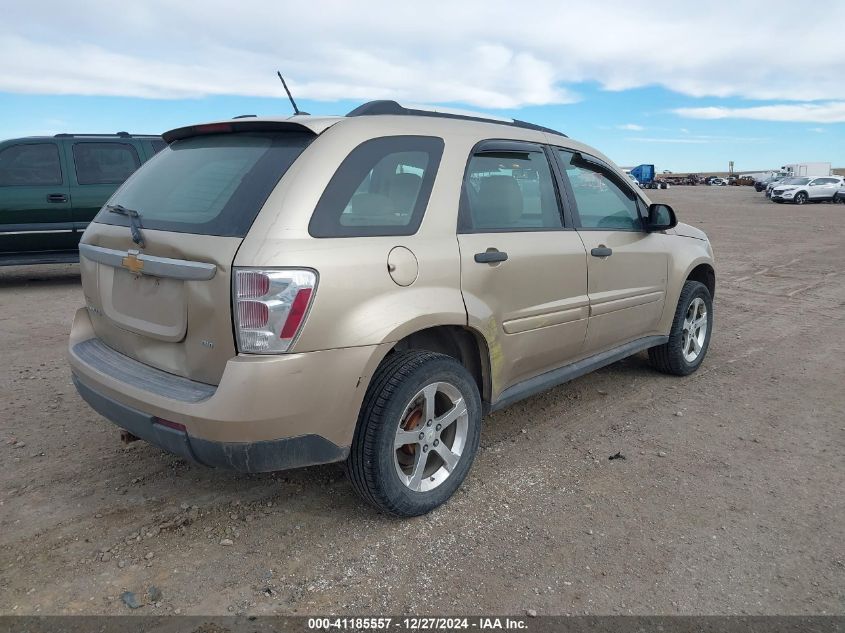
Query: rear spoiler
[307,125]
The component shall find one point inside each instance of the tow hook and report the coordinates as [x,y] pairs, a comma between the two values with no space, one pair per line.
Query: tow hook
[126,437]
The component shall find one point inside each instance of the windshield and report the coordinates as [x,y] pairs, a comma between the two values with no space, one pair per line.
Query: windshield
[211,185]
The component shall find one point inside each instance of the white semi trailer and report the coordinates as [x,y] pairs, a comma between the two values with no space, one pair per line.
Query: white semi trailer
[810,170]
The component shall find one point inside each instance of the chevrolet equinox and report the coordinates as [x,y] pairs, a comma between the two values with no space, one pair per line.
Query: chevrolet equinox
[270,293]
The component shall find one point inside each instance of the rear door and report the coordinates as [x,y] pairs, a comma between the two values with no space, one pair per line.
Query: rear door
[34,198]
[523,271]
[627,267]
[167,300]
[99,167]
[823,188]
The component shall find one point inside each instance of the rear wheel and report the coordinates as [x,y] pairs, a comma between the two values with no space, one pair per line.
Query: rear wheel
[417,434]
[800,197]
[689,338]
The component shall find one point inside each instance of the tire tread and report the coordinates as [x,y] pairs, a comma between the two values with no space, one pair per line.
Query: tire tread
[667,358]
[359,466]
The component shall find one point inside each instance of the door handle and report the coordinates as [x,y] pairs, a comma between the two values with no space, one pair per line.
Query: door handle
[56,197]
[601,251]
[491,257]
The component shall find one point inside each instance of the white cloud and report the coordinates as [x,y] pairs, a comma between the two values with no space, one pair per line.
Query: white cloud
[829,112]
[633,127]
[480,52]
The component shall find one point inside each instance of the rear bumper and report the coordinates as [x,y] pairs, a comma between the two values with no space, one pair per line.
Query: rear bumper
[248,457]
[267,412]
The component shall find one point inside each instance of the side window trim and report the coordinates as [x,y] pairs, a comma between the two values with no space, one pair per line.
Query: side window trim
[606,170]
[566,198]
[465,224]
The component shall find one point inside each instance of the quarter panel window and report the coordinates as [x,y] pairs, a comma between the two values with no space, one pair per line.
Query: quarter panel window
[104,163]
[602,202]
[510,190]
[381,188]
[30,164]
[157,146]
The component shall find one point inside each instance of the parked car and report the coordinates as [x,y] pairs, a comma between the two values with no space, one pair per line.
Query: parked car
[803,190]
[839,196]
[273,293]
[635,181]
[785,180]
[51,187]
[760,185]
[719,182]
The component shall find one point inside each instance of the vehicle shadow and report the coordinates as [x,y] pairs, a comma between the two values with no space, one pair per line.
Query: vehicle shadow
[53,274]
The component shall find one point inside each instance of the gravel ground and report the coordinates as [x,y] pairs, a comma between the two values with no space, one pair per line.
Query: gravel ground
[729,499]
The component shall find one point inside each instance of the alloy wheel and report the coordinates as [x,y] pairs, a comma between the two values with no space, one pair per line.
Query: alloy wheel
[694,329]
[431,436]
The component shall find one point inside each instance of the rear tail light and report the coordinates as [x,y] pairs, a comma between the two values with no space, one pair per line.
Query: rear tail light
[270,307]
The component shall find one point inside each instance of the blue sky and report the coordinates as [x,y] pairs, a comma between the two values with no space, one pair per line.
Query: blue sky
[687,91]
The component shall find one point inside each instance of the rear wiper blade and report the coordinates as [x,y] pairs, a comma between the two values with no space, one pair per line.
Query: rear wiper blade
[134,222]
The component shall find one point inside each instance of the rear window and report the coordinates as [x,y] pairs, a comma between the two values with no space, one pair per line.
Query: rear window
[211,185]
[157,146]
[104,163]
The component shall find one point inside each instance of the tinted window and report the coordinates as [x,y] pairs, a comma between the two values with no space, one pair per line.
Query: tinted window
[30,164]
[603,201]
[104,163]
[381,188]
[158,146]
[213,185]
[510,190]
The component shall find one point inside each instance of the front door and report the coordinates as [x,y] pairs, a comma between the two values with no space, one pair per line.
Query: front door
[34,199]
[523,273]
[627,267]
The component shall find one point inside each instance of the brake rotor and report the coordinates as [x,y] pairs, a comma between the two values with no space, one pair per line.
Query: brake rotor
[409,424]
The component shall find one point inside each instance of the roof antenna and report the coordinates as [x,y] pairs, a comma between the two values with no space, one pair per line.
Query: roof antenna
[296,111]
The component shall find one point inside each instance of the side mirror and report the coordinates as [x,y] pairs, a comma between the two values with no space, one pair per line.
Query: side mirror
[661,217]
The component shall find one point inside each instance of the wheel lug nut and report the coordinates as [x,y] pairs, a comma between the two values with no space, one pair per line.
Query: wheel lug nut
[422,436]
[428,423]
[439,426]
[436,442]
[425,448]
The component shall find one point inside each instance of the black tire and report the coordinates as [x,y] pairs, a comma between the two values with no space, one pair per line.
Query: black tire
[370,465]
[800,198]
[669,358]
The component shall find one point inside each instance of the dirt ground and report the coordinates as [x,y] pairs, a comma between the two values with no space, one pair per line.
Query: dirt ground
[730,499]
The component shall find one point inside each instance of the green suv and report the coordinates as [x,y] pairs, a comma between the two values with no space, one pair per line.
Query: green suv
[51,187]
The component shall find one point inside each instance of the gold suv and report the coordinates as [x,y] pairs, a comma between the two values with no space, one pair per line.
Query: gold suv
[272,293]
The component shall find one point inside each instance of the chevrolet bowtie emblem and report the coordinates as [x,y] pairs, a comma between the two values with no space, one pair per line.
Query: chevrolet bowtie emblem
[132,263]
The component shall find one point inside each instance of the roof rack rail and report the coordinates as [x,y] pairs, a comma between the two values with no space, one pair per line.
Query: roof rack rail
[120,134]
[387,106]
